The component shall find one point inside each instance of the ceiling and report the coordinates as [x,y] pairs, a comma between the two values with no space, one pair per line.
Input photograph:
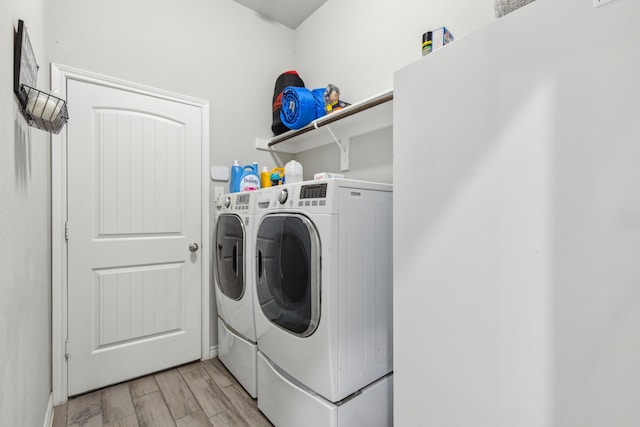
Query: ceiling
[287,12]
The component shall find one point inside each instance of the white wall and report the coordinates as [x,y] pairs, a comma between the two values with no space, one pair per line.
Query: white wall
[25,242]
[216,50]
[223,52]
[358,45]
[516,245]
[370,157]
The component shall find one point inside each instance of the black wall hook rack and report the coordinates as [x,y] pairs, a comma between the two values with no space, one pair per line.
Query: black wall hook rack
[40,109]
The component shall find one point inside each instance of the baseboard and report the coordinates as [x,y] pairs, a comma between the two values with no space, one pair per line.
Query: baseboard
[48,417]
[213,352]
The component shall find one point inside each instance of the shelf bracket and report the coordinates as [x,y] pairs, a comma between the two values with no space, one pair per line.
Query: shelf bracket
[344,148]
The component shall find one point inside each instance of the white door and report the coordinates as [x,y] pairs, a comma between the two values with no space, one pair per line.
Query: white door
[134,209]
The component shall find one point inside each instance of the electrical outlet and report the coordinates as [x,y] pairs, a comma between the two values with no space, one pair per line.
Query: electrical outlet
[597,3]
[218,192]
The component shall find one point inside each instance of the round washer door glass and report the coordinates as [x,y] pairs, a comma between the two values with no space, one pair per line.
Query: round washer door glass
[288,285]
[229,256]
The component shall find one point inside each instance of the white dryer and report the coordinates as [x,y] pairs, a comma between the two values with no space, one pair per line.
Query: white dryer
[234,278]
[324,303]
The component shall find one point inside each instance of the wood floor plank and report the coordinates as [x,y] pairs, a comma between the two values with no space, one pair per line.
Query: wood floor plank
[60,415]
[128,421]
[116,403]
[205,390]
[199,394]
[177,395]
[152,411]
[245,406]
[142,386]
[94,421]
[197,419]
[228,419]
[82,408]
[218,372]
[189,367]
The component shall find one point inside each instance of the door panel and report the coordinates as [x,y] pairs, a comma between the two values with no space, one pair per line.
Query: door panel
[141,167]
[134,206]
[138,302]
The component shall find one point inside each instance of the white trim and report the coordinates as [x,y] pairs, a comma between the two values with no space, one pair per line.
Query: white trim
[213,352]
[205,241]
[48,417]
[58,248]
[59,76]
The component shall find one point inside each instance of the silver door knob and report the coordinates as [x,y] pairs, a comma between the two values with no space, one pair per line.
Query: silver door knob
[193,247]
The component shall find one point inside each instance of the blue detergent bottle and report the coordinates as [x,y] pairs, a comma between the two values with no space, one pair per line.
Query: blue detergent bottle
[250,179]
[236,175]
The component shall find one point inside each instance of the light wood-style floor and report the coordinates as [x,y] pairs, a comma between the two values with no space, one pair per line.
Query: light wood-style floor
[197,394]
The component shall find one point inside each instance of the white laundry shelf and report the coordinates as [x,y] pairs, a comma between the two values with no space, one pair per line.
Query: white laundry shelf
[366,116]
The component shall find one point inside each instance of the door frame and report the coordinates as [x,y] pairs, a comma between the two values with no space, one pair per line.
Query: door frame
[60,74]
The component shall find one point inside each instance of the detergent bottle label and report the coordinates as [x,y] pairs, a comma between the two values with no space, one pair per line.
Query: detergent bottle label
[250,182]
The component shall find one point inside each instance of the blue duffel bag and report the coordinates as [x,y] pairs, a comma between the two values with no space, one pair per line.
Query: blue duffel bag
[301,106]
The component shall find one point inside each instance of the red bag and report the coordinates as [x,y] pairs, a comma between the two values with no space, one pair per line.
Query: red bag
[288,78]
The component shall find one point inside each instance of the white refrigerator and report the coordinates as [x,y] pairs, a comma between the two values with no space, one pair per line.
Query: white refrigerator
[517,223]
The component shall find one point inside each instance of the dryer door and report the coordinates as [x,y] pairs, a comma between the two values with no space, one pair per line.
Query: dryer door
[288,282]
[229,256]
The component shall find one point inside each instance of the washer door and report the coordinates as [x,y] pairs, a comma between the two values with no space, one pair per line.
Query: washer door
[229,256]
[288,285]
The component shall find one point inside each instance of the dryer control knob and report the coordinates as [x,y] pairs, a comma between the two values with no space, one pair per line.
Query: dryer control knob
[282,197]
[227,202]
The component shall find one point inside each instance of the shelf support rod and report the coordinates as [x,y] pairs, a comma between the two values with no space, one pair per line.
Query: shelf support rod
[333,135]
[344,148]
[344,155]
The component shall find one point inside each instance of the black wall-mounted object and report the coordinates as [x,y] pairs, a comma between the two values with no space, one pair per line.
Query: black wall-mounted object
[25,67]
[39,109]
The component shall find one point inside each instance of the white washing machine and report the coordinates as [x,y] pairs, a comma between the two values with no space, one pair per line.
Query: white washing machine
[323,303]
[234,278]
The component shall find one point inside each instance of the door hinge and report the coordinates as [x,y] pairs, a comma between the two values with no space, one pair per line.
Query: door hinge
[66,230]
[66,349]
